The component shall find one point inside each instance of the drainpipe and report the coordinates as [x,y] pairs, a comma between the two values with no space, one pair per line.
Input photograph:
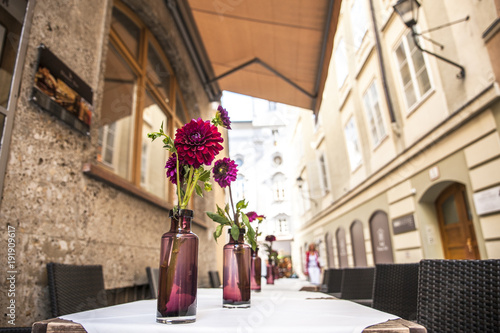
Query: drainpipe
[387,95]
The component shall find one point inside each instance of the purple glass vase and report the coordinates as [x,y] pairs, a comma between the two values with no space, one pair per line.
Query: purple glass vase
[269,272]
[178,281]
[255,273]
[236,273]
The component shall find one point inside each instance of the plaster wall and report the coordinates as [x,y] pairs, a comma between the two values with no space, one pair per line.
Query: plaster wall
[58,213]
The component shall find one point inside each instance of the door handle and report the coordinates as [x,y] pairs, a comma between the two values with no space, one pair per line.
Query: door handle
[469,245]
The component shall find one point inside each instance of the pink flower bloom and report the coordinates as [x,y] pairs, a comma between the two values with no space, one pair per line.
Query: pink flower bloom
[225,171]
[172,171]
[224,117]
[270,238]
[197,143]
[252,216]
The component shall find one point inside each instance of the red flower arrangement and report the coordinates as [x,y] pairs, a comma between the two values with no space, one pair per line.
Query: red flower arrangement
[196,145]
[198,142]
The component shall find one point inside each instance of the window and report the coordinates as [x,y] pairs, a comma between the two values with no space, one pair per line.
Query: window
[13,43]
[372,108]
[278,187]
[341,63]
[323,173]
[353,149]
[282,224]
[239,187]
[413,71]
[140,94]
[359,22]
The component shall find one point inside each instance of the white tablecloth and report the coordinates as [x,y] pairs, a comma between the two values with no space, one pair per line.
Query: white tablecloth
[278,308]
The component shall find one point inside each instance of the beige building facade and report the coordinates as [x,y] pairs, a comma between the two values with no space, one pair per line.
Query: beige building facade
[412,152]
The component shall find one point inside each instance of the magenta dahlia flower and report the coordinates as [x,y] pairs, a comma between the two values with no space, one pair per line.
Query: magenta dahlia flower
[252,216]
[225,171]
[224,117]
[270,238]
[171,169]
[197,143]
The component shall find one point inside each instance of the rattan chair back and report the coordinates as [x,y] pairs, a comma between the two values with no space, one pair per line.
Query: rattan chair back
[357,284]
[395,289]
[332,281]
[214,279]
[74,288]
[153,279]
[459,296]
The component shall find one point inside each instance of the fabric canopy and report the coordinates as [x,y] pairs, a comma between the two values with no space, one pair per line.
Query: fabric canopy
[278,50]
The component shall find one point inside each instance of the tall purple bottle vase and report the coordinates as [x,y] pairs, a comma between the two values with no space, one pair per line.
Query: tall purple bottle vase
[269,271]
[236,273]
[255,273]
[178,280]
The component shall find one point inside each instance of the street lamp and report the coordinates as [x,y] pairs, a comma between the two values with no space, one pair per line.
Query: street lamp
[408,11]
[300,182]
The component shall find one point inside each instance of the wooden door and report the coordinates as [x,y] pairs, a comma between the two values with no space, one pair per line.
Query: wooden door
[455,223]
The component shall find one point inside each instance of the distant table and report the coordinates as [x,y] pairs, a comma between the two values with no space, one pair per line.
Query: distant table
[278,308]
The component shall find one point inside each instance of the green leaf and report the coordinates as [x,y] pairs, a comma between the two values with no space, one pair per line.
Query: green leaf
[245,219]
[235,232]
[227,209]
[198,190]
[251,237]
[204,176]
[219,219]
[241,205]
[154,136]
[220,211]
[218,232]
[208,186]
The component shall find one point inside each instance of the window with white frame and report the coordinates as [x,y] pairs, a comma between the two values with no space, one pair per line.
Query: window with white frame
[279,187]
[413,70]
[359,22]
[239,187]
[352,142]
[374,115]
[282,224]
[341,63]
[323,173]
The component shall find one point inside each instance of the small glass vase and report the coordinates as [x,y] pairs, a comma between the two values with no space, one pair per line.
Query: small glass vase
[236,273]
[269,272]
[178,280]
[255,273]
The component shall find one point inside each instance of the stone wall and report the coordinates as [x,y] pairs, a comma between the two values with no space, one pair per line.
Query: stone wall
[59,214]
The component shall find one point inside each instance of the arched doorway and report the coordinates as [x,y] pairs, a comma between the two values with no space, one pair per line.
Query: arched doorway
[381,238]
[329,250]
[358,244]
[341,247]
[455,223]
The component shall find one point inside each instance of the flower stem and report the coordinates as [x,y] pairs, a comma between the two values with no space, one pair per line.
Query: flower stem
[178,182]
[232,206]
[190,186]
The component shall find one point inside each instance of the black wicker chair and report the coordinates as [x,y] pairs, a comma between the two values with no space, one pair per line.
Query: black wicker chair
[153,279]
[214,279]
[459,296]
[75,288]
[15,329]
[357,284]
[395,289]
[332,281]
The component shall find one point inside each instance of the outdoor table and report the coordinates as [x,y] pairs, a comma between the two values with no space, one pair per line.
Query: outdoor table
[278,308]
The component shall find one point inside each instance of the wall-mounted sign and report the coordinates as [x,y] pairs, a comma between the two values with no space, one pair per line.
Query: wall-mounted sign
[434,173]
[59,91]
[487,201]
[403,224]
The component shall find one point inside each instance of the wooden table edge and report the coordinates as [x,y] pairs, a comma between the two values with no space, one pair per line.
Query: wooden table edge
[68,326]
